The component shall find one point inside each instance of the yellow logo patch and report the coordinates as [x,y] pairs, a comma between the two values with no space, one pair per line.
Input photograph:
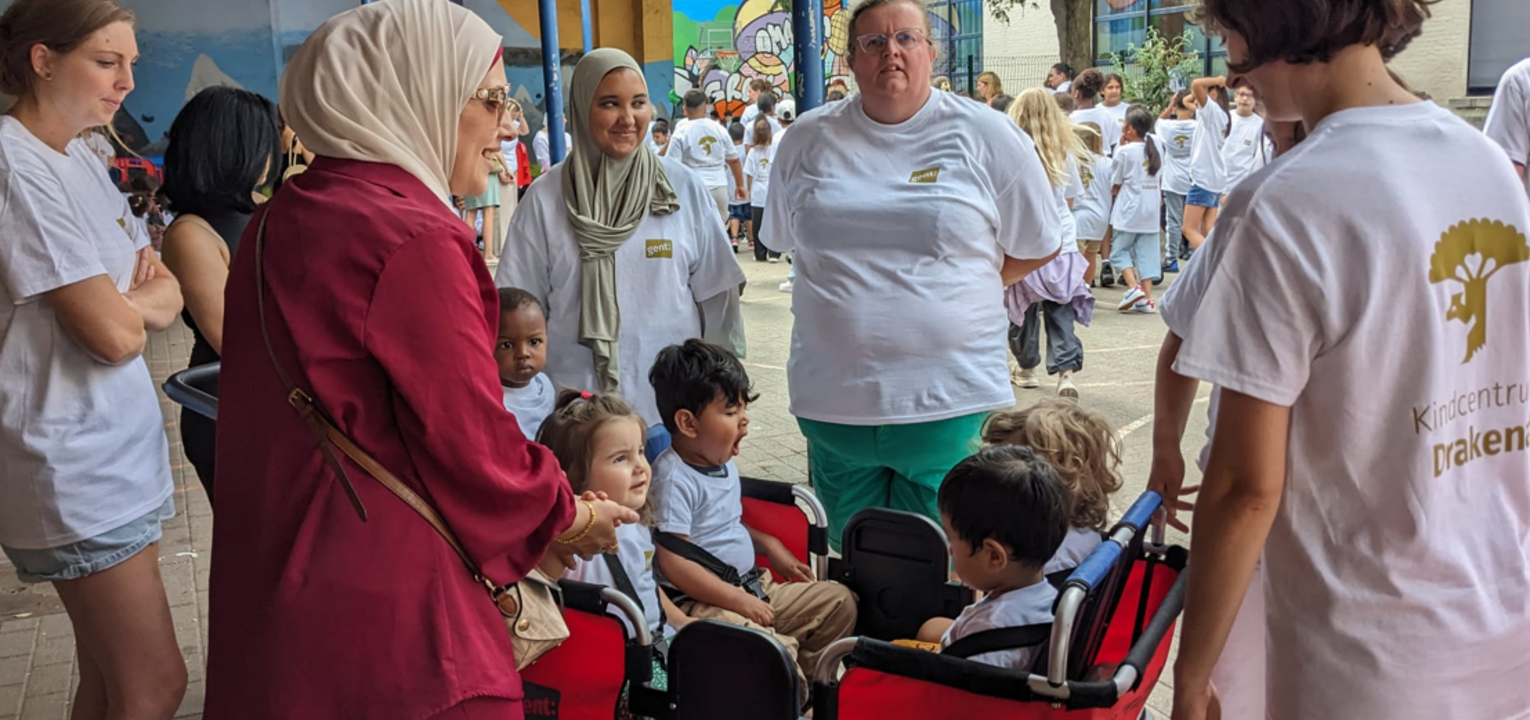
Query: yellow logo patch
[928,176]
[707,143]
[660,249]
[1469,253]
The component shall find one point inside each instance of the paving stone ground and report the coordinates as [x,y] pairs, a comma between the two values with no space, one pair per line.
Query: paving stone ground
[37,660]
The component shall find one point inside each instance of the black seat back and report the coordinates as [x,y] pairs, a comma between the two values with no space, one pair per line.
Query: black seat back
[717,670]
[898,565]
[196,389]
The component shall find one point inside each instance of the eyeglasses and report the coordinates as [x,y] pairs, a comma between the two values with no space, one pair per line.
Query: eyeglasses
[497,98]
[907,39]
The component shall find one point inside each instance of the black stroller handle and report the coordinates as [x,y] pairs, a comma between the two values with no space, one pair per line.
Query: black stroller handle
[189,388]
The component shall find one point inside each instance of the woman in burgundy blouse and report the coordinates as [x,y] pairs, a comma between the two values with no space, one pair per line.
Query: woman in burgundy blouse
[378,303]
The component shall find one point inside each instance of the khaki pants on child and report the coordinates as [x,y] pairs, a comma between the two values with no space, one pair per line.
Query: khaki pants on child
[809,617]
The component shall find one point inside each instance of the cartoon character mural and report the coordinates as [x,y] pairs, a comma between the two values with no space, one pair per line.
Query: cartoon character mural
[753,39]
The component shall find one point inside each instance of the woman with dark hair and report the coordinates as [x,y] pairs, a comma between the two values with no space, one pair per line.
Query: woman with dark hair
[85,479]
[221,147]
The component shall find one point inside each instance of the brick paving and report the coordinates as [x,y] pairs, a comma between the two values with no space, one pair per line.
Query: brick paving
[37,660]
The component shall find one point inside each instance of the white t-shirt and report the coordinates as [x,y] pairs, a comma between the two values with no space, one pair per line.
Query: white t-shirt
[1400,548]
[1017,608]
[1508,122]
[671,263]
[1207,169]
[634,548]
[1067,227]
[1136,207]
[899,233]
[1091,211]
[709,509]
[1178,140]
[704,146]
[751,111]
[1118,112]
[757,166]
[82,444]
[1246,149]
[1064,86]
[532,405]
[775,132]
[733,185]
[541,147]
[1178,307]
[1076,546]
[1240,672]
[1110,127]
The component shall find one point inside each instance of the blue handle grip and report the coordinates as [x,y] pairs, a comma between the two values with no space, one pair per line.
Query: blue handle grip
[1095,567]
[1141,512]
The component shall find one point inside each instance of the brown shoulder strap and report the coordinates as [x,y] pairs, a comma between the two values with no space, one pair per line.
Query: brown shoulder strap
[327,434]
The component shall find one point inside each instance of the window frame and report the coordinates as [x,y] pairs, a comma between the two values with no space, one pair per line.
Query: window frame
[1209,52]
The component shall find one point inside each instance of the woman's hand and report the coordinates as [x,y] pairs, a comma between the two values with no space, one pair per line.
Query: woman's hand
[1167,478]
[506,178]
[601,535]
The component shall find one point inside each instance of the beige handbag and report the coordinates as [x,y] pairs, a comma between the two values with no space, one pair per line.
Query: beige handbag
[532,608]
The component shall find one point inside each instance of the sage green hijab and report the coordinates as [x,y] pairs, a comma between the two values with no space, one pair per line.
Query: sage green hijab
[606,198]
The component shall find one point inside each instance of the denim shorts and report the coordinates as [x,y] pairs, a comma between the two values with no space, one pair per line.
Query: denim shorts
[94,554]
[1138,251]
[1203,198]
[740,213]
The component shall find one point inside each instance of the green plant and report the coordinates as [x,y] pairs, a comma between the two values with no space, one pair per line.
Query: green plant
[1149,71]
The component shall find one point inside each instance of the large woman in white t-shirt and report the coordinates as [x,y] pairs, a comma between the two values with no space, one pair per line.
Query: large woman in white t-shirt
[904,241]
[1370,438]
[622,247]
[84,465]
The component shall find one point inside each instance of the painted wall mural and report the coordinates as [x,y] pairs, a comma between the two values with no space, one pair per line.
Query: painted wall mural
[723,45]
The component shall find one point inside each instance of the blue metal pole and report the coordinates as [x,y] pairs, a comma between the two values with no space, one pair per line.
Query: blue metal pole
[552,75]
[807,36]
[589,29]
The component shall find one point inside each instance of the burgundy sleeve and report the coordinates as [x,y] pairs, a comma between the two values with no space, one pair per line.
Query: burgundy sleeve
[504,496]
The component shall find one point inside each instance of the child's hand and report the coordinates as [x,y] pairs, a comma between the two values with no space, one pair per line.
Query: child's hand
[755,610]
[787,564]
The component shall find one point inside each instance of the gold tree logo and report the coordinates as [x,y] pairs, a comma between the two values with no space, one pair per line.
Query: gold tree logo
[1180,140]
[706,144]
[1469,253]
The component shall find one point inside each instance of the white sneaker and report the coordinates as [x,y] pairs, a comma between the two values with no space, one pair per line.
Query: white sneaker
[1066,388]
[1146,307]
[774,259]
[1129,299]
[1027,379]
[785,287]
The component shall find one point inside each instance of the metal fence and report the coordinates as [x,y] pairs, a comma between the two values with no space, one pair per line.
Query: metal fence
[1016,72]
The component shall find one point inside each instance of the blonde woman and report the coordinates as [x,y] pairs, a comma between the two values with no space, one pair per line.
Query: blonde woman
[1057,294]
[989,86]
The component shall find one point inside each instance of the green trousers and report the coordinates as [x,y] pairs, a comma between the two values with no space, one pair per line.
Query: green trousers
[854,467]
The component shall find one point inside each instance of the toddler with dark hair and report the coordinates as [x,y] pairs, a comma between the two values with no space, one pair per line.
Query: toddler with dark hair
[1005,512]
[521,352]
[706,552]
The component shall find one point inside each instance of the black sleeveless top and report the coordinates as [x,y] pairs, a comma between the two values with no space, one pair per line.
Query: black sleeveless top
[230,227]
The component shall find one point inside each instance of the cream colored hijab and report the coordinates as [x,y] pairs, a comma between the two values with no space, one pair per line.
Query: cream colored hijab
[386,82]
[606,200]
